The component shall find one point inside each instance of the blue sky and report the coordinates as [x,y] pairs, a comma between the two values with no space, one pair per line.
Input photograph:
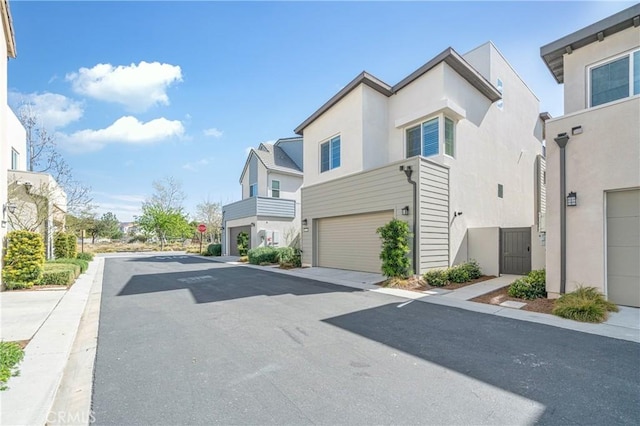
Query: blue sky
[137,91]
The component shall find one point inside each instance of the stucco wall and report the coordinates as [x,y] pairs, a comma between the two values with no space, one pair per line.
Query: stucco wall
[4,159]
[375,128]
[606,156]
[484,246]
[17,139]
[576,65]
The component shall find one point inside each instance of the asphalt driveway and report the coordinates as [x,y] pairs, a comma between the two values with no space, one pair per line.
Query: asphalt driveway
[183,340]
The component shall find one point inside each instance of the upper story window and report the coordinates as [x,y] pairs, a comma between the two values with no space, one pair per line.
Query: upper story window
[615,79]
[275,188]
[424,139]
[500,87]
[330,154]
[15,159]
[253,190]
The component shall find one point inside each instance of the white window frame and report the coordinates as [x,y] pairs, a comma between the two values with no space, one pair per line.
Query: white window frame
[441,135]
[628,53]
[500,87]
[325,141]
[15,159]
[275,189]
[253,190]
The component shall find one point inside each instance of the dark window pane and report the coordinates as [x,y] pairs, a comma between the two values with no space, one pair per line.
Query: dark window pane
[448,137]
[324,157]
[636,72]
[610,82]
[430,138]
[413,141]
[335,152]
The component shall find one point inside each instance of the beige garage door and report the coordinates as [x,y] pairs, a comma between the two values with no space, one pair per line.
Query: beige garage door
[351,242]
[623,247]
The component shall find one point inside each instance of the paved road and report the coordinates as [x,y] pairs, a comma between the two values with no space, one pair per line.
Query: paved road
[184,340]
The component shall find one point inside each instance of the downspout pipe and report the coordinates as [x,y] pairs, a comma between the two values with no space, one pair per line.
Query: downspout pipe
[562,141]
[409,171]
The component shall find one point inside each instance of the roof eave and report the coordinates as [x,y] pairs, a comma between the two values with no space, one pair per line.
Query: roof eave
[7,24]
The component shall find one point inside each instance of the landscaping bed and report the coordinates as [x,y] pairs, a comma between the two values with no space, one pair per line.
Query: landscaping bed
[420,285]
[496,297]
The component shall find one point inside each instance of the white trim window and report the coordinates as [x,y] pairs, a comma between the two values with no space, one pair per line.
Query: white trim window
[253,190]
[275,188]
[500,87]
[15,159]
[424,138]
[614,79]
[330,154]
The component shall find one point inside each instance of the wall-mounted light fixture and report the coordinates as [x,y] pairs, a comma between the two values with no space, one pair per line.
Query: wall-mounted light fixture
[405,211]
[456,214]
[253,224]
[304,222]
[572,199]
[576,130]
[11,207]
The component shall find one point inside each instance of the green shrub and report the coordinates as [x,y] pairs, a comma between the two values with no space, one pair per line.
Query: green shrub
[72,245]
[60,245]
[82,264]
[214,249]
[243,243]
[395,247]
[289,257]
[24,259]
[263,255]
[85,256]
[585,304]
[472,268]
[532,286]
[10,356]
[458,274]
[64,277]
[436,277]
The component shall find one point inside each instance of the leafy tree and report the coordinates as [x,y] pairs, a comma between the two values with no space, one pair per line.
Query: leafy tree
[210,213]
[243,243]
[109,226]
[395,247]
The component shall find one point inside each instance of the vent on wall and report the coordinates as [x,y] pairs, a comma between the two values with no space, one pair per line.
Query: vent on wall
[500,191]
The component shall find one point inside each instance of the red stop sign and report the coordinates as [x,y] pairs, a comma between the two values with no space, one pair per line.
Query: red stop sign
[202,227]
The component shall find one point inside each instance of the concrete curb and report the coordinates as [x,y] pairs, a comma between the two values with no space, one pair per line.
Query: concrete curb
[606,330]
[30,395]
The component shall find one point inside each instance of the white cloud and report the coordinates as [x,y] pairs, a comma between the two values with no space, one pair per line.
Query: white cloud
[213,132]
[196,165]
[51,109]
[126,129]
[137,87]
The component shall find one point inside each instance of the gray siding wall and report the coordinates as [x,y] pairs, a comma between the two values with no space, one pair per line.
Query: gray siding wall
[253,170]
[541,192]
[293,150]
[260,206]
[433,250]
[240,209]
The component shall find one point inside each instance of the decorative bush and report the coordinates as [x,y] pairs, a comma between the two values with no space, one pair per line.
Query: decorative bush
[436,277]
[85,256]
[24,259]
[289,257]
[458,274]
[214,250]
[532,286]
[72,245]
[395,247]
[243,243]
[585,304]
[263,255]
[10,356]
[82,264]
[60,245]
[64,277]
[472,268]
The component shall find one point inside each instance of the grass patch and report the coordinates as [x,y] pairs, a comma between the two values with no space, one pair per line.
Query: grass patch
[11,354]
[586,304]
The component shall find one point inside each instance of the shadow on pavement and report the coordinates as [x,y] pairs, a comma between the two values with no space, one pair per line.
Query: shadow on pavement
[561,369]
[185,259]
[228,283]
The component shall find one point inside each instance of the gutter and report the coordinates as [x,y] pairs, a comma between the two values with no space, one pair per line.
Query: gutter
[408,171]
[562,141]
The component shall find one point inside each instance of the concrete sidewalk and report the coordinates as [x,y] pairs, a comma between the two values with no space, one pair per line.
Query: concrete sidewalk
[22,313]
[30,395]
[623,325]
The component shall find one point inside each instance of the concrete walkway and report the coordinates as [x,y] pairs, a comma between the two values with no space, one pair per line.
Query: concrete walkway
[22,313]
[474,290]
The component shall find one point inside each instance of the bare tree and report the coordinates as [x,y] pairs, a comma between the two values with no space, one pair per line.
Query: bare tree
[210,213]
[168,194]
[43,157]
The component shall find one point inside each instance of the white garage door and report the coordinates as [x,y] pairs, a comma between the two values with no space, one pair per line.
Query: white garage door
[623,247]
[351,242]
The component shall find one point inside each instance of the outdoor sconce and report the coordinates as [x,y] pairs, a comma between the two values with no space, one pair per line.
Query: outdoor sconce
[405,211]
[576,130]
[9,206]
[572,199]
[456,214]
[253,224]
[304,222]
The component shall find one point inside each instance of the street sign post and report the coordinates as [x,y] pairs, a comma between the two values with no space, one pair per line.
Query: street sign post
[202,228]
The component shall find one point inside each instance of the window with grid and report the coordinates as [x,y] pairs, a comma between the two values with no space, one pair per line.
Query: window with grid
[330,154]
[275,188]
[616,79]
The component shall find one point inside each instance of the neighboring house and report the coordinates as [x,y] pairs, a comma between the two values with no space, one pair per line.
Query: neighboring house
[454,149]
[270,205]
[129,228]
[597,209]
[7,50]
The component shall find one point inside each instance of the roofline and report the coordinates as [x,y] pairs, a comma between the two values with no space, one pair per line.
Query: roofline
[246,163]
[7,24]
[254,152]
[364,78]
[449,56]
[544,116]
[289,139]
[553,53]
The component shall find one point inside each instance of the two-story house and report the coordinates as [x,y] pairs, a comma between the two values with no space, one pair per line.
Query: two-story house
[593,166]
[7,50]
[269,212]
[454,149]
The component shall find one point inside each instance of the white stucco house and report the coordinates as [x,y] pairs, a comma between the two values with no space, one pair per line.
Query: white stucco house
[7,50]
[455,149]
[269,211]
[593,166]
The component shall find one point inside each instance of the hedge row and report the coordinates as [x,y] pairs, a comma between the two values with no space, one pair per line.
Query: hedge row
[65,245]
[456,274]
[286,256]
